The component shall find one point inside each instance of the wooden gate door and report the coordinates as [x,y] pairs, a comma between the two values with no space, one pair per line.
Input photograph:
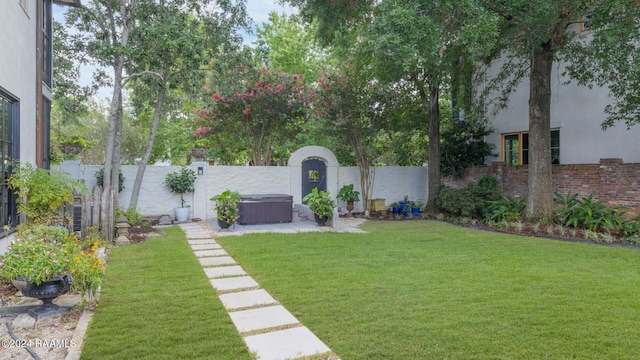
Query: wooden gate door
[314,175]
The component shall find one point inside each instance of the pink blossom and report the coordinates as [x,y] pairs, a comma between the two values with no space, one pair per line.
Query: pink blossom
[53,254]
[48,271]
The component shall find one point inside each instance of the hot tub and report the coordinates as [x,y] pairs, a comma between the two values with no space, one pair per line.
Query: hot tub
[265,209]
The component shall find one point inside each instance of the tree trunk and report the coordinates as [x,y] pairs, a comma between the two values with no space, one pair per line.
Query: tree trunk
[109,202]
[155,124]
[540,191]
[106,211]
[431,102]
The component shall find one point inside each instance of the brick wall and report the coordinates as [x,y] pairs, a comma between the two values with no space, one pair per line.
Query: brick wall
[612,181]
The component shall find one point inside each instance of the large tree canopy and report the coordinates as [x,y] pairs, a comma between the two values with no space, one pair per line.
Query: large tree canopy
[534,33]
[255,106]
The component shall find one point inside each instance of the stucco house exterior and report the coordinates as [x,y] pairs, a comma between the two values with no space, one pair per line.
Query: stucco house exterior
[25,90]
[577,113]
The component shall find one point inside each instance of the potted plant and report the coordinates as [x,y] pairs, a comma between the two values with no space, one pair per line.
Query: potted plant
[320,204]
[407,208]
[226,207]
[42,193]
[416,208]
[200,148]
[72,144]
[181,182]
[395,208]
[48,258]
[348,195]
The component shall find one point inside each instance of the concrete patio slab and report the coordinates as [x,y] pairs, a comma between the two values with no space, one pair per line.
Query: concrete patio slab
[286,344]
[262,318]
[207,253]
[216,261]
[202,241]
[243,299]
[210,246]
[223,271]
[234,283]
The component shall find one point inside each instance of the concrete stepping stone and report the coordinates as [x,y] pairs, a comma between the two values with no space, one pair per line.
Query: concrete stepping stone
[216,261]
[197,235]
[210,246]
[223,271]
[234,283]
[201,241]
[286,344]
[205,253]
[262,318]
[243,299]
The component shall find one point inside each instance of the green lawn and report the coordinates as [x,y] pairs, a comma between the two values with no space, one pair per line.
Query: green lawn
[430,290]
[157,303]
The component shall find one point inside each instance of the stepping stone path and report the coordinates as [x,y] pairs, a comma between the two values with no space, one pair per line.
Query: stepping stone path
[268,329]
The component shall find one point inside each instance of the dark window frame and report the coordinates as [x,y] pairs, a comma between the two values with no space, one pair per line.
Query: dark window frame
[9,152]
[47,42]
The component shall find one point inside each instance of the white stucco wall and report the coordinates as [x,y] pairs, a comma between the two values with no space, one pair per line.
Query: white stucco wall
[18,73]
[18,67]
[578,113]
[391,183]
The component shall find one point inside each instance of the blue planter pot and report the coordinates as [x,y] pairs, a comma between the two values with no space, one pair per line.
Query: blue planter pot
[395,210]
[415,211]
[403,205]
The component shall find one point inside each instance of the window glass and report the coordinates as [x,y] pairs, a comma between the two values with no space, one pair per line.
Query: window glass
[511,149]
[9,120]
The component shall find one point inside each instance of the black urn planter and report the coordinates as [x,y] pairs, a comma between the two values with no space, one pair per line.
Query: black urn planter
[321,221]
[47,291]
[223,224]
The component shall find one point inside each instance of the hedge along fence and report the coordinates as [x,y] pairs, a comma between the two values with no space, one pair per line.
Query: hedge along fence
[611,180]
[392,183]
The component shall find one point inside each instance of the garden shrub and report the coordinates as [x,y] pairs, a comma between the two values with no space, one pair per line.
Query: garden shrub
[132,215]
[470,201]
[586,213]
[506,209]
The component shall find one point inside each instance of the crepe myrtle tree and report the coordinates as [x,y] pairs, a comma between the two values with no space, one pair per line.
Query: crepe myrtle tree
[257,107]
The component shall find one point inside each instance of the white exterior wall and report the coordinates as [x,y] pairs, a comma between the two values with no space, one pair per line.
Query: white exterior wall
[18,67]
[392,183]
[578,113]
[18,64]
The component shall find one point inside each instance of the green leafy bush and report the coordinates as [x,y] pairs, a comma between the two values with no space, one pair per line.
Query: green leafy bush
[42,192]
[470,201]
[589,214]
[506,209]
[132,215]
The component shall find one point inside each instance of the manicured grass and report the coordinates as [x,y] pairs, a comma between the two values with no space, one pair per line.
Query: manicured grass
[430,290]
[157,303]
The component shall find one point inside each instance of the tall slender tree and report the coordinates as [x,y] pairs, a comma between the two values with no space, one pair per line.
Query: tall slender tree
[176,43]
